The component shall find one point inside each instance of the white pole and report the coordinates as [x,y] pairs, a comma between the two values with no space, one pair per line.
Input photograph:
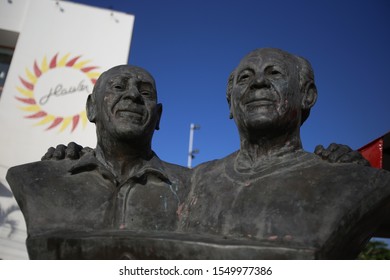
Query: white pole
[191,151]
[189,163]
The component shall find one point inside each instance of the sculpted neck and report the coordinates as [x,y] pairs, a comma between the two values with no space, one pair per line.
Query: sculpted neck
[123,157]
[255,150]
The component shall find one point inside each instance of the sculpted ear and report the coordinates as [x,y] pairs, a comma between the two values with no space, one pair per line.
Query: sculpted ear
[309,96]
[91,109]
[230,107]
[159,113]
[229,93]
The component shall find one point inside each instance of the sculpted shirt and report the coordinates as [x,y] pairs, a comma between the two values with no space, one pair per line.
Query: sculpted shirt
[82,195]
[292,201]
[147,200]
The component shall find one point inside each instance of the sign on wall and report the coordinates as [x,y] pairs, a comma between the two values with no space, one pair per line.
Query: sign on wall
[42,91]
[61,51]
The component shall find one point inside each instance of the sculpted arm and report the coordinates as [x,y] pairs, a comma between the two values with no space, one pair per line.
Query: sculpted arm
[338,153]
[72,151]
[335,153]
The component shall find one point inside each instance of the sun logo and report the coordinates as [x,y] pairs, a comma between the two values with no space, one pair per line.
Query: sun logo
[55,92]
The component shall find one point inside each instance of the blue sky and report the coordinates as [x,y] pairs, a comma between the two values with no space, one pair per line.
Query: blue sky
[190,47]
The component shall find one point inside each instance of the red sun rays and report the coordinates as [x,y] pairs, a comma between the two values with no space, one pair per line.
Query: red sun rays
[31,106]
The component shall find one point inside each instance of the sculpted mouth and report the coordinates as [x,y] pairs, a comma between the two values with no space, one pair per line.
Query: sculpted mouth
[129,113]
[260,102]
[128,109]
[259,97]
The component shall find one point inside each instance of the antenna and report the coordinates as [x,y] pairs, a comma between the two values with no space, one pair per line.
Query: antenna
[191,151]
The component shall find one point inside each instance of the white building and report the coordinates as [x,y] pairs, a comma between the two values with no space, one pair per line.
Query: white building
[51,53]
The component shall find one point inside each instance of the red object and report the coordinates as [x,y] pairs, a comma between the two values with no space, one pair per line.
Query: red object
[37,71]
[73,61]
[75,122]
[56,122]
[27,84]
[27,100]
[377,152]
[373,152]
[53,62]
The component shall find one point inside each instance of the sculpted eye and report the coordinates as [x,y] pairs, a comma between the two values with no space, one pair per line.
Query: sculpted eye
[119,87]
[244,77]
[145,92]
[273,71]
[145,89]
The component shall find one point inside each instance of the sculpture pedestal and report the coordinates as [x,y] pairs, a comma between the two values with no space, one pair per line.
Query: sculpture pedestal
[141,245]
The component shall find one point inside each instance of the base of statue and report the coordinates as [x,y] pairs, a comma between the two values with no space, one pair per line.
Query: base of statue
[141,245]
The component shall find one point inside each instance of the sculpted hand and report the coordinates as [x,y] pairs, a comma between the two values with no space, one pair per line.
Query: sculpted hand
[337,153]
[72,151]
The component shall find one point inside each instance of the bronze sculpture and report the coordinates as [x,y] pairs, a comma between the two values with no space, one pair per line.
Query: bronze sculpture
[121,201]
[121,184]
[273,192]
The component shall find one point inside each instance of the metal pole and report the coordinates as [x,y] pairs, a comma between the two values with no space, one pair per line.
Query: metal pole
[191,151]
[189,162]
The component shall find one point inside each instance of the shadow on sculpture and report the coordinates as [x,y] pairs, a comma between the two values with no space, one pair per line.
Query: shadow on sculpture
[269,200]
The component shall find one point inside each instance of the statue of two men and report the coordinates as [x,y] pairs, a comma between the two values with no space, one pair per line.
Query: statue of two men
[270,193]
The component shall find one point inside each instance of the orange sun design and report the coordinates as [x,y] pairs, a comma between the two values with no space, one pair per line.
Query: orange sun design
[29,94]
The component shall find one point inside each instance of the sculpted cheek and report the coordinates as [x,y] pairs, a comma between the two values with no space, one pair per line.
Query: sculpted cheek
[283,106]
[294,114]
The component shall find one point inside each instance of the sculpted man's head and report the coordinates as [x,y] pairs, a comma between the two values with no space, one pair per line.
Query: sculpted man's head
[271,91]
[124,105]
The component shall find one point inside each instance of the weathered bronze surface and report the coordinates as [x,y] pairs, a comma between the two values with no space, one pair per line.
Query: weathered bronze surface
[273,191]
[120,185]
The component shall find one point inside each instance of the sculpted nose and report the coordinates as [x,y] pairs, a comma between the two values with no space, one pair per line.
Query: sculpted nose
[132,94]
[259,82]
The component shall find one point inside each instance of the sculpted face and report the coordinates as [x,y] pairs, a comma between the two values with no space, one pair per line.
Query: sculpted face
[265,94]
[125,103]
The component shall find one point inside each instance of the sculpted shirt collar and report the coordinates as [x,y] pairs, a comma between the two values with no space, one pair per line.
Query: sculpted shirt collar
[89,162]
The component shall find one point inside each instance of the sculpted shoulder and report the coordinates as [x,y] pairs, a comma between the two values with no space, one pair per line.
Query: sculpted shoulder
[51,198]
[38,169]
[213,166]
[350,171]
[176,170]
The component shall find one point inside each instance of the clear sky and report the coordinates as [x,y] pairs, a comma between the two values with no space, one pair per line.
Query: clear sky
[190,47]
